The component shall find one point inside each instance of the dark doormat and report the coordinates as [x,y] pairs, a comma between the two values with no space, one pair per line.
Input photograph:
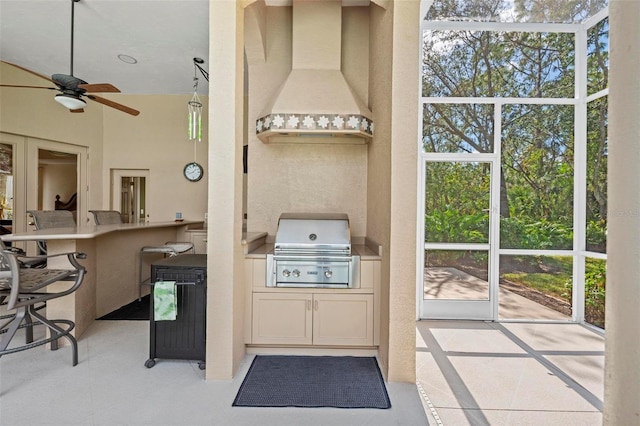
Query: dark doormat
[313,381]
[134,311]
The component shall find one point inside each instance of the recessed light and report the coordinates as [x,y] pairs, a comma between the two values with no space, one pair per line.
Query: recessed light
[128,59]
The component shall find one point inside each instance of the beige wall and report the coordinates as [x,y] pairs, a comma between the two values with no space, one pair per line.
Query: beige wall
[310,177]
[225,288]
[378,183]
[155,140]
[392,184]
[32,113]
[375,184]
[57,179]
[622,344]
[404,190]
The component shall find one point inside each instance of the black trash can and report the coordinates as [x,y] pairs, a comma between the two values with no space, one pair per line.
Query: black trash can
[184,338]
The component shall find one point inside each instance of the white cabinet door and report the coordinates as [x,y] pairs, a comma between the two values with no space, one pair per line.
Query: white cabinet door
[199,240]
[318,319]
[282,318]
[343,319]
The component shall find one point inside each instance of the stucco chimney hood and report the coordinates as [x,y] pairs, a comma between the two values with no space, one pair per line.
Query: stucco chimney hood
[315,103]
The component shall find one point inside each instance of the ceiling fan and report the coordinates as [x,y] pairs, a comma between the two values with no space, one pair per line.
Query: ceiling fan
[72,89]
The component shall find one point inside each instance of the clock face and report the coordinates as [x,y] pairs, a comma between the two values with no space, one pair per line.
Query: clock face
[193,172]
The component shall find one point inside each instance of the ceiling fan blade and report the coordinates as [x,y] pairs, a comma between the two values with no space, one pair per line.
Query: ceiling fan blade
[29,71]
[28,87]
[113,104]
[76,110]
[99,88]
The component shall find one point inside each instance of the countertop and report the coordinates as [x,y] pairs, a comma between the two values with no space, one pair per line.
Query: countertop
[257,247]
[87,232]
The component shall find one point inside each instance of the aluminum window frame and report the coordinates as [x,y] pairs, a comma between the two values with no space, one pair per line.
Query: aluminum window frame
[579,253]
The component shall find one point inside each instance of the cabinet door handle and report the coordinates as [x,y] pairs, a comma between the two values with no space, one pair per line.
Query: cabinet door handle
[308,305]
[315,305]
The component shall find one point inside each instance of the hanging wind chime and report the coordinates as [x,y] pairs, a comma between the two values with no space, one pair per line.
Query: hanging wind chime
[194,171]
[195,112]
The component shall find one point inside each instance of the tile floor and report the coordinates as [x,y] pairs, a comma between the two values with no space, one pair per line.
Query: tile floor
[469,373]
[487,373]
[110,386]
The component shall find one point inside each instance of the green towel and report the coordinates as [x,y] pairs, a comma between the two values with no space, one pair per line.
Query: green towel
[165,301]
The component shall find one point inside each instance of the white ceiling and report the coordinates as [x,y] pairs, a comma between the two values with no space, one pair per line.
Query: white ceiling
[163,35]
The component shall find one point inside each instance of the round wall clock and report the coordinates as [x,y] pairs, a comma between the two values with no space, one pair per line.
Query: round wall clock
[193,172]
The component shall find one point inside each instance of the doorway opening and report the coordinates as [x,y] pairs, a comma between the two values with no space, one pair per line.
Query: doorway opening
[57,180]
[129,194]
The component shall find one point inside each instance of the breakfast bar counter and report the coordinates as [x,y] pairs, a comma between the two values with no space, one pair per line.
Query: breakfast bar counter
[112,263]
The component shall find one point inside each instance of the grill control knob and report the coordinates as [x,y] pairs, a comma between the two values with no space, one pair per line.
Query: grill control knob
[328,273]
[295,273]
[286,273]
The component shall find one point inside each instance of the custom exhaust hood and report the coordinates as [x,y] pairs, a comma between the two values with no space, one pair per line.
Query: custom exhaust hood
[315,103]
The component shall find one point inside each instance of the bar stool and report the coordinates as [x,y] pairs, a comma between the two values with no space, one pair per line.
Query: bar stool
[170,248]
[26,291]
[47,219]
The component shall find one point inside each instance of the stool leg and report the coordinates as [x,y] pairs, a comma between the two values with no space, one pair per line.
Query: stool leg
[57,331]
[28,328]
[11,331]
[140,276]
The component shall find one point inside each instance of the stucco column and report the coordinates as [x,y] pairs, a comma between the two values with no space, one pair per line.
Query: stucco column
[225,296]
[622,353]
[404,171]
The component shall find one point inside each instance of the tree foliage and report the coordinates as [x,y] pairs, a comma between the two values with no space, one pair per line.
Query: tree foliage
[597,121]
[537,141]
[458,203]
[550,11]
[557,11]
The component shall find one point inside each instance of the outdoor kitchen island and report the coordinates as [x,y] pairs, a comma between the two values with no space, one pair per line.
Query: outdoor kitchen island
[112,252]
[319,320]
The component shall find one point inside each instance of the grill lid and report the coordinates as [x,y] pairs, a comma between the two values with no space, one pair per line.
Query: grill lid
[313,233]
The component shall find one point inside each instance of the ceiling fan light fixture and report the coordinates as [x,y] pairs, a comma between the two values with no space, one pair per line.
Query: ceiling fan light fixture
[70,102]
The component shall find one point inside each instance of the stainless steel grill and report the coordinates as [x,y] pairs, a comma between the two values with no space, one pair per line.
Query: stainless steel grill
[313,250]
